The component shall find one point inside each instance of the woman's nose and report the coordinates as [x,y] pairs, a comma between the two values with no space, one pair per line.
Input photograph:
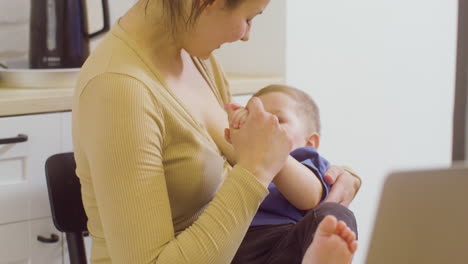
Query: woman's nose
[246,35]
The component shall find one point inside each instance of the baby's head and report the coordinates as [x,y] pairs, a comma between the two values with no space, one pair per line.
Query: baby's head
[296,112]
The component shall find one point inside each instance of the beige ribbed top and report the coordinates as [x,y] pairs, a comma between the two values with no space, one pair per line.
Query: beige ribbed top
[155,186]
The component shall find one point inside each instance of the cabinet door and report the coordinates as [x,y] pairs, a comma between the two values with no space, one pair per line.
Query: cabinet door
[14,239]
[67,143]
[23,190]
[41,252]
[20,244]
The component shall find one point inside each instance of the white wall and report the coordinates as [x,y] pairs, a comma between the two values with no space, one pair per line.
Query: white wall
[382,73]
[264,53]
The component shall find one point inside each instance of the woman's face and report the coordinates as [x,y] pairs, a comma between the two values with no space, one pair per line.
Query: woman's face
[218,25]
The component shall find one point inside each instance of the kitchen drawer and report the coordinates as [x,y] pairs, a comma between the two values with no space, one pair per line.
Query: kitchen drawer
[20,244]
[23,191]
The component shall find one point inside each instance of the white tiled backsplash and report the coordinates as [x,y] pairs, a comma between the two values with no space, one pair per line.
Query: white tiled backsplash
[14,24]
[14,27]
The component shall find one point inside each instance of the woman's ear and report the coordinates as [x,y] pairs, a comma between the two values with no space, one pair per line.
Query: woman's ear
[313,140]
[209,4]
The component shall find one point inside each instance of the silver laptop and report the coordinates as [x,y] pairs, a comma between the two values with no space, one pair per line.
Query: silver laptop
[422,218]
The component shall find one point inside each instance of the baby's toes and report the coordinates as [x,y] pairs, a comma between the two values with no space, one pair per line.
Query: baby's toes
[348,235]
[353,247]
[341,227]
[327,226]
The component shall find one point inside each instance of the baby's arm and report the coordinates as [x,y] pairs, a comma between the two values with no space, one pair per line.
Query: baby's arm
[297,183]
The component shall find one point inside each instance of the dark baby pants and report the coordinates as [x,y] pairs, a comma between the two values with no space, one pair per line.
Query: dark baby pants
[287,243]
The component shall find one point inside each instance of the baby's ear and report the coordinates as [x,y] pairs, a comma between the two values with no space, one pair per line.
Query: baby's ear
[313,140]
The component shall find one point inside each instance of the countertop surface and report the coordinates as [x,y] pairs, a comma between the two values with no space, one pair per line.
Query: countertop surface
[22,101]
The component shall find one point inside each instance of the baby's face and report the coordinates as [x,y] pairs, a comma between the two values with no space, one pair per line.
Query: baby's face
[284,107]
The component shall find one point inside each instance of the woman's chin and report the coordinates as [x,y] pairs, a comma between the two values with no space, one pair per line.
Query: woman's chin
[203,55]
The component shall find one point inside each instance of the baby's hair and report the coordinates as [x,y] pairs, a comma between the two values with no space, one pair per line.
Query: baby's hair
[307,109]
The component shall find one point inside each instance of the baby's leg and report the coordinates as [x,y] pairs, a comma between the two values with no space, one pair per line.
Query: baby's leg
[334,243]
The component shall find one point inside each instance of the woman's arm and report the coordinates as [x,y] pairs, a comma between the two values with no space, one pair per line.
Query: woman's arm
[121,131]
[346,184]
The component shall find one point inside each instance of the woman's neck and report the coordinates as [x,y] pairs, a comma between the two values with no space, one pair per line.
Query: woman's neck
[144,24]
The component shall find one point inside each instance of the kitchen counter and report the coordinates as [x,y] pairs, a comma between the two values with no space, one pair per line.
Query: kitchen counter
[37,100]
[34,101]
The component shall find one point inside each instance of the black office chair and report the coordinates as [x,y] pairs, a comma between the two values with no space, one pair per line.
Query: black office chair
[65,203]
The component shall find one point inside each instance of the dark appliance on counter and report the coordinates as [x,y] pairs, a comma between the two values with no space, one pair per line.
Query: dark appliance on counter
[58,33]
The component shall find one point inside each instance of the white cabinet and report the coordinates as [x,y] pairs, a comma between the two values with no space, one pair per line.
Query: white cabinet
[66,130]
[45,252]
[23,192]
[20,243]
[67,146]
[24,203]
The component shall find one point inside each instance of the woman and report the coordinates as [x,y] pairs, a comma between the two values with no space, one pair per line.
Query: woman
[148,129]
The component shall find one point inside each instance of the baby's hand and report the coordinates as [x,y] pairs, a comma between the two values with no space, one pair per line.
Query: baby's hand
[237,115]
[238,118]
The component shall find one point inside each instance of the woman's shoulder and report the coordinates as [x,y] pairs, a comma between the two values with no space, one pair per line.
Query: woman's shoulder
[115,70]
[114,56]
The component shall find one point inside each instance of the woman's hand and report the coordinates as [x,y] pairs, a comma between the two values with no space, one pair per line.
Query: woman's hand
[345,185]
[261,144]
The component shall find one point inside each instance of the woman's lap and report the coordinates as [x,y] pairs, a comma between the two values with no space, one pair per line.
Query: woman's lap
[287,243]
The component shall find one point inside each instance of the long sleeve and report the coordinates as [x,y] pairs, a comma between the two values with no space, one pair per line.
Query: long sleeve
[122,131]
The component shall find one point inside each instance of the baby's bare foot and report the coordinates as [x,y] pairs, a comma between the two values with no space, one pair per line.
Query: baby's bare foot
[334,243]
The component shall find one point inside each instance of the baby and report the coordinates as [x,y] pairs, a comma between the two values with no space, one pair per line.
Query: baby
[279,222]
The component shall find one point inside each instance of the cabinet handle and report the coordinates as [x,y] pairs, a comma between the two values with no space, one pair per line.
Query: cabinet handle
[52,239]
[17,139]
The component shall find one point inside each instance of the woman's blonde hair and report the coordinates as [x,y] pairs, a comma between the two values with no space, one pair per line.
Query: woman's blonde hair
[176,11]
[307,109]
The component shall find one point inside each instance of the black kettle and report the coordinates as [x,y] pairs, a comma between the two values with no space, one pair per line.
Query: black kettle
[58,33]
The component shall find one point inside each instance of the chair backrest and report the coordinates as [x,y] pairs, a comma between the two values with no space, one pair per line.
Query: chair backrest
[65,193]
[65,203]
